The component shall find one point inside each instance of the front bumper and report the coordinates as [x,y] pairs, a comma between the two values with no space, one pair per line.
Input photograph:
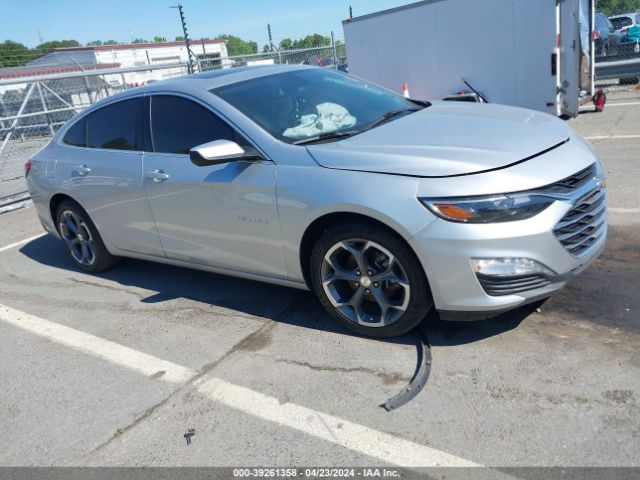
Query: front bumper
[445,250]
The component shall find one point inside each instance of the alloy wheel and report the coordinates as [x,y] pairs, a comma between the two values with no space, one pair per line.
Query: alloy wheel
[78,238]
[365,282]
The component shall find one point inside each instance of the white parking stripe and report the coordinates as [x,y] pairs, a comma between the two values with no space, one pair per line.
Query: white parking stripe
[611,104]
[612,137]
[622,104]
[352,436]
[623,210]
[97,347]
[21,242]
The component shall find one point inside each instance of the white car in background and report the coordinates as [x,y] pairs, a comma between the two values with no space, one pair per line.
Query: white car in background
[621,23]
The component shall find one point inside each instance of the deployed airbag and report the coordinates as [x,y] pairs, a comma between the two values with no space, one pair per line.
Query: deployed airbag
[329,118]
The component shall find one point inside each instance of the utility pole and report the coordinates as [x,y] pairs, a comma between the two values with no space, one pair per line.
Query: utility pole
[350,12]
[335,51]
[186,38]
[271,47]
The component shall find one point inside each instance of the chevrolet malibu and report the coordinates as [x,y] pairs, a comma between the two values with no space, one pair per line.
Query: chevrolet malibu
[383,206]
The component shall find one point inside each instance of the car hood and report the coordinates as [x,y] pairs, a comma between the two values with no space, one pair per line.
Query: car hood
[448,138]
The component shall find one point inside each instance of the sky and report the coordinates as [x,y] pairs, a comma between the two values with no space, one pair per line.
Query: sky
[25,21]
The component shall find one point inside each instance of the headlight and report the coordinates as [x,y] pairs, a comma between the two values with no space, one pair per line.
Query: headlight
[491,209]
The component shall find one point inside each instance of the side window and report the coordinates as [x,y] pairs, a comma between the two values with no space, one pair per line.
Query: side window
[77,134]
[178,125]
[117,126]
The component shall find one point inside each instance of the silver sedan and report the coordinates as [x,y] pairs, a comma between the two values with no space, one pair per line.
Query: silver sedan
[385,207]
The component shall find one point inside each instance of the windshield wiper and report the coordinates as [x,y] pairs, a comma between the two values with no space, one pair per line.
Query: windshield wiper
[326,136]
[389,116]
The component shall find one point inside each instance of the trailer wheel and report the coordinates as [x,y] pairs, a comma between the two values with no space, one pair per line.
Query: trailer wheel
[599,100]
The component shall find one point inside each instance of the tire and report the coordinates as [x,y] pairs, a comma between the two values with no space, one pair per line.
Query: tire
[355,298]
[82,239]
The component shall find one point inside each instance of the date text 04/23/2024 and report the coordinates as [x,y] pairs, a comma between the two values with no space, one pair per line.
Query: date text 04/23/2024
[316,473]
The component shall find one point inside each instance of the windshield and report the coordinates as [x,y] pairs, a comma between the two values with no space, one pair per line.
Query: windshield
[313,104]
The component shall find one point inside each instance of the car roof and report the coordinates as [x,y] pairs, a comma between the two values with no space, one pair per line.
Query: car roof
[219,78]
[201,81]
[623,15]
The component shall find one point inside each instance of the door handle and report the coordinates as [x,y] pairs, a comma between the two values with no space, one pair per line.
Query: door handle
[157,176]
[81,169]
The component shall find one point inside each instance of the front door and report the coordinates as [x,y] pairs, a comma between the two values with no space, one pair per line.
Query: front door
[222,215]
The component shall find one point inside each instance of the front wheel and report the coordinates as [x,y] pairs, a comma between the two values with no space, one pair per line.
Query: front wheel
[369,280]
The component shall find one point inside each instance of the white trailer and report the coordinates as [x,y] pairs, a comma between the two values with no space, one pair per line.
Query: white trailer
[536,54]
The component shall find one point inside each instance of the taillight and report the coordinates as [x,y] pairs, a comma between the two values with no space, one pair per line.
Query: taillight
[27,167]
[596,35]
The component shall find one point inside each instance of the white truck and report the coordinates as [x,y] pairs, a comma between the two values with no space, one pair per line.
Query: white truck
[536,54]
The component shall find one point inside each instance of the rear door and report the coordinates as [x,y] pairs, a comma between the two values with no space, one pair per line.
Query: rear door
[103,171]
[569,57]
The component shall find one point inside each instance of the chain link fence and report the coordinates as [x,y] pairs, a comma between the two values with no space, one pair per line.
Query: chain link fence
[617,41]
[330,56]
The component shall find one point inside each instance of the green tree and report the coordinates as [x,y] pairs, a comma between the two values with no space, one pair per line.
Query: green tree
[312,41]
[238,46]
[179,38]
[614,7]
[140,40]
[159,39]
[110,42]
[14,54]
[286,44]
[266,49]
[46,46]
[94,43]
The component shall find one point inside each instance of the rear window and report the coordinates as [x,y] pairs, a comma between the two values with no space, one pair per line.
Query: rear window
[117,126]
[77,134]
[621,22]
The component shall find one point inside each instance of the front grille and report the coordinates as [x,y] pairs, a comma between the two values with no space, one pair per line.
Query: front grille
[498,286]
[573,182]
[584,224]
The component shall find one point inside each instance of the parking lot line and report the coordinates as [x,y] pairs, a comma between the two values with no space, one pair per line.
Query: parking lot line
[623,210]
[612,104]
[623,104]
[612,137]
[352,436]
[97,347]
[21,242]
[358,438]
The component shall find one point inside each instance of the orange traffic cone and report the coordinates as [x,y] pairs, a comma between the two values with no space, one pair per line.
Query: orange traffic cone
[405,90]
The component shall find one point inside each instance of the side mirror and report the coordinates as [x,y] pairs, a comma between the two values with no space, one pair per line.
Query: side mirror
[218,152]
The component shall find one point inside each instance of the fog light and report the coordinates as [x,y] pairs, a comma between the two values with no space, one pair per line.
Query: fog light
[508,266]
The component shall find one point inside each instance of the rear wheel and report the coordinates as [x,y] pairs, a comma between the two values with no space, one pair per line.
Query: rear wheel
[369,280]
[82,238]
